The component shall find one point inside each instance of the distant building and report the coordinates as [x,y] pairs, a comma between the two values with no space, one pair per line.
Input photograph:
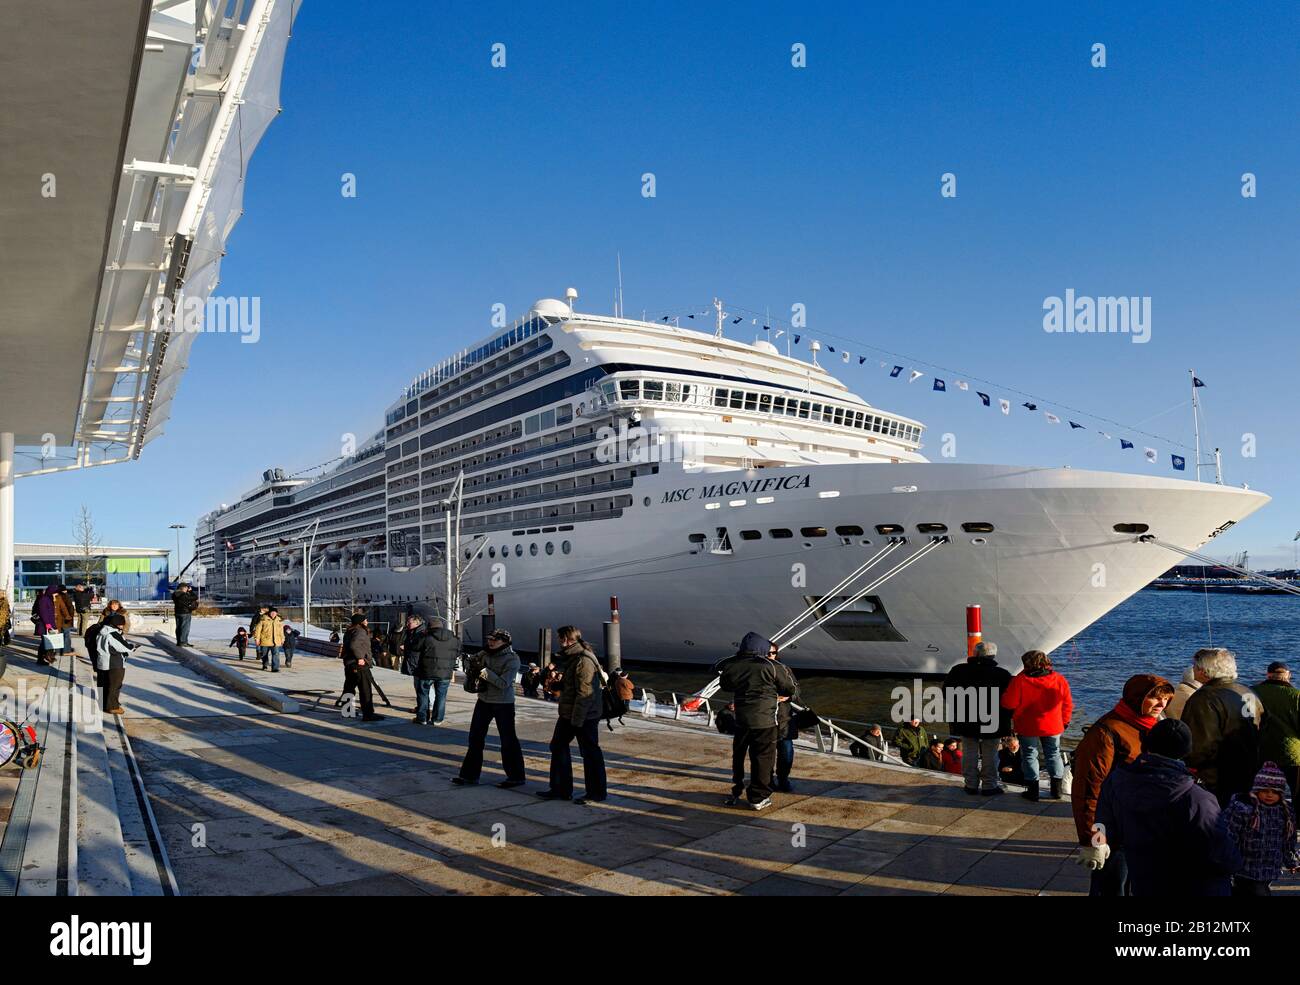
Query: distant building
[131,574]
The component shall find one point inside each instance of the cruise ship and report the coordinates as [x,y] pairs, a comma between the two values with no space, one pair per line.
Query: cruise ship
[714,486]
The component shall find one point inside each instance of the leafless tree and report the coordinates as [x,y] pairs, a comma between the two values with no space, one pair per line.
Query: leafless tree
[87,561]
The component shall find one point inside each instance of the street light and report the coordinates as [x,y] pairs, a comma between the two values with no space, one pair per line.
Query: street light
[178,527]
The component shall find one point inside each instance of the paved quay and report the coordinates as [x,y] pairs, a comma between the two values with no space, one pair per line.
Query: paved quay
[255,802]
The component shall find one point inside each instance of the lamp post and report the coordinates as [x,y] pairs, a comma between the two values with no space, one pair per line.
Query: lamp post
[306,581]
[178,527]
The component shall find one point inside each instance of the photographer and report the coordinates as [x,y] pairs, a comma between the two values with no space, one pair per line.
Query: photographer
[495,686]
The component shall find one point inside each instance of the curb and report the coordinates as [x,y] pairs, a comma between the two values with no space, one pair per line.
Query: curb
[215,669]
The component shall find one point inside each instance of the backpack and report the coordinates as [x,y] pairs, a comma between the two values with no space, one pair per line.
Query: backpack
[612,705]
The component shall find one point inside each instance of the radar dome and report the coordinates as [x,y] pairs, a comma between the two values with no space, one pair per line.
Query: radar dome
[550,308]
[764,346]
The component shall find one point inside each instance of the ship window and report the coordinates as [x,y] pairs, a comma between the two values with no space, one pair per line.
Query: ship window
[697,538]
[978,528]
[719,397]
[751,401]
[492,552]
[828,415]
[765,403]
[519,550]
[550,548]
[813,531]
[548,419]
[803,408]
[839,415]
[532,549]
[932,528]
[737,399]
[885,529]
[849,530]
[629,389]
[1131,528]
[780,533]
[750,535]
[653,390]
[566,547]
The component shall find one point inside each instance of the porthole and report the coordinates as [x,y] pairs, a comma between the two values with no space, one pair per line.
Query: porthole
[885,529]
[807,545]
[750,535]
[813,531]
[980,527]
[566,547]
[979,541]
[697,538]
[1131,528]
[492,552]
[550,548]
[519,550]
[849,530]
[780,533]
[532,549]
[646,501]
[932,528]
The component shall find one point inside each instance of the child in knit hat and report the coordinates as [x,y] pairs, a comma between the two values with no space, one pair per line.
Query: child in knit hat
[1262,826]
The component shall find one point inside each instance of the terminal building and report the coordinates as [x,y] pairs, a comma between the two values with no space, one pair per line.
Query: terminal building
[130,574]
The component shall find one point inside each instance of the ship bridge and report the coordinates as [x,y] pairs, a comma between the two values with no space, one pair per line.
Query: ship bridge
[127,126]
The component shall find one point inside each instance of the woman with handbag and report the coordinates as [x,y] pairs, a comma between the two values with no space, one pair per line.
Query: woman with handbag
[53,615]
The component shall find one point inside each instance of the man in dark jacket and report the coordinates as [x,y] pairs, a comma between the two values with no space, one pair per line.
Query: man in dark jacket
[498,667]
[184,602]
[1279,736]
[81,599]
[972,694]
[1166,825]
[356,666]
[757,689]
[431,653]
[1224,717]
[580,705]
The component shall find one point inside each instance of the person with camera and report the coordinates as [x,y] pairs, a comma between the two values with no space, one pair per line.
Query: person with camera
[491,673]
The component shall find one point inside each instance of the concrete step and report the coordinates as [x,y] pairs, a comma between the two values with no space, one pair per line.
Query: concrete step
[101,853]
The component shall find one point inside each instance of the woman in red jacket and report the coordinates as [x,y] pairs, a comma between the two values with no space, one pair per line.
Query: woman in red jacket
[1038,699]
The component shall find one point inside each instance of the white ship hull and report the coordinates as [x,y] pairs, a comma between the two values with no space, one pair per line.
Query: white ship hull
[1052,565]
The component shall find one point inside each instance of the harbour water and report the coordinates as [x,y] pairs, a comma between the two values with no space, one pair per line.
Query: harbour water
[1152,632]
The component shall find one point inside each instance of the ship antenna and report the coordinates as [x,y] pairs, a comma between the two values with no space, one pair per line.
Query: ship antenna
[717,306]
[618,308]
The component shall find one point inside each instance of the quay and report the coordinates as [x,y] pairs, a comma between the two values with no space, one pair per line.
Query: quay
[248,800]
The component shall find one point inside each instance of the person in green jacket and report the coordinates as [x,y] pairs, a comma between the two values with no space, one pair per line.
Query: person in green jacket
[1279,734]
[912,740]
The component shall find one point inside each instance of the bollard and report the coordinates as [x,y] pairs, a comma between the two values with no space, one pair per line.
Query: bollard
[489,619]
[543,646]
[974,632]
[613,648]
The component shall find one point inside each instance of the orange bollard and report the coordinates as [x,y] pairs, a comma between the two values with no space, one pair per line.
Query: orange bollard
[974,632]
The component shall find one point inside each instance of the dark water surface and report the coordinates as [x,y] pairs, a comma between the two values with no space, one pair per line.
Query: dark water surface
[1153,632]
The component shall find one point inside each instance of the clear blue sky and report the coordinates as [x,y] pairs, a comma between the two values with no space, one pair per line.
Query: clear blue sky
[775,185]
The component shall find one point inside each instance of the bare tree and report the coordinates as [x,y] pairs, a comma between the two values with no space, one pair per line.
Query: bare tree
[86,563]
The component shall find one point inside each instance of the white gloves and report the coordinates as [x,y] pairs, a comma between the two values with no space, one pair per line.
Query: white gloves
[1094,856]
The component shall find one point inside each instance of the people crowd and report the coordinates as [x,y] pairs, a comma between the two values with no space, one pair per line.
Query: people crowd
[1186,789]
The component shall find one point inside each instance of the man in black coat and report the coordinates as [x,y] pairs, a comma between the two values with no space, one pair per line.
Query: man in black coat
[184,602]
[757,689]
[356,666]
[81,599]
[972,694]
[431,653]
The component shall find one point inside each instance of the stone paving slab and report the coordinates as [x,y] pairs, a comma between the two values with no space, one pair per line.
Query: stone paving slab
[320,804]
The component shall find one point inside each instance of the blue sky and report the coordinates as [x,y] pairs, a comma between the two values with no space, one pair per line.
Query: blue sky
[774,186]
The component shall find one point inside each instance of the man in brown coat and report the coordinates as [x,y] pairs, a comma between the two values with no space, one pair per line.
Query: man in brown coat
[1115,739]
[581,703]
